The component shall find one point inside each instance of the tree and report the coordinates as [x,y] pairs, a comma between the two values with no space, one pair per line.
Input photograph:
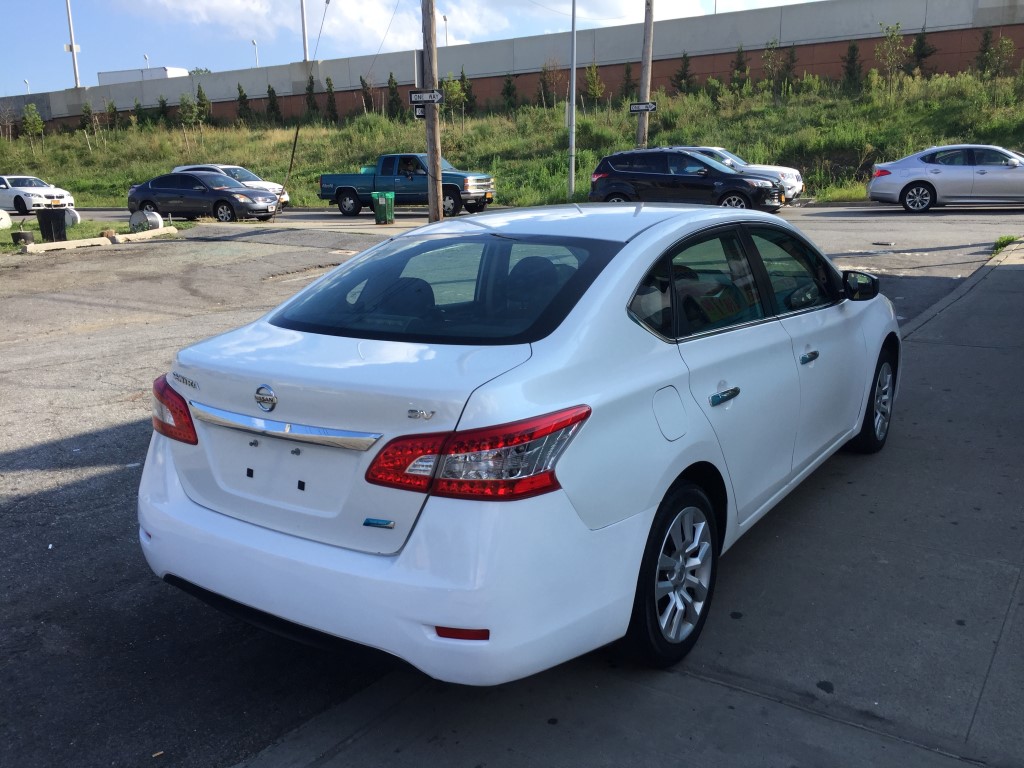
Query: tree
[1002,56]
[740,70]
[628,90]
[853,69]
[509,96]
[920,50]
[787,74]
[200,71]
[187,110]
[891,53]
[454,98]
[983,61]
[771,63]
[467,93]
[546,85]
[394,108]
[203,106]
[31,122]
[162,111]
[312,108]
[332,103]
[244,110]
[112,121]
[367,94]
[139,113]
[594,85]
[85,121]
[273,108]
[683,80]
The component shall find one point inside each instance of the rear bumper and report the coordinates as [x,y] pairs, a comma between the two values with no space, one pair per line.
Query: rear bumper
[546,587]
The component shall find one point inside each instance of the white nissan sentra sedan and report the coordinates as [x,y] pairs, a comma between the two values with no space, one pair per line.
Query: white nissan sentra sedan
[490,445]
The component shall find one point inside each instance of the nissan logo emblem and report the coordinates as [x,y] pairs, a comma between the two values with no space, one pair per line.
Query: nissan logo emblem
[265,398]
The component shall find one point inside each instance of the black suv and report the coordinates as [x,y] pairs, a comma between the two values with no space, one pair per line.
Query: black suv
[669,175]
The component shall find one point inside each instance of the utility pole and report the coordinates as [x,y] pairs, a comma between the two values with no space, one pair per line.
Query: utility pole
[73,49]
[434,212]
[572,108]
[645,72]
[305,39]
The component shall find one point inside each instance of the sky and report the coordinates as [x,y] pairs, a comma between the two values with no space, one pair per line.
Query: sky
[217,34]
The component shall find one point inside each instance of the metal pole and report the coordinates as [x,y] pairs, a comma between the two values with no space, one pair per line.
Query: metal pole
[434,211]
[305,41]
[572,108]
[645,73]
[256,48]
[74,48]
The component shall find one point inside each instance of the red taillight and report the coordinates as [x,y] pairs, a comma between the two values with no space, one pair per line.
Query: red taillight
[171,416]
[880,172]
[510,461]
[454,633]
[595,177]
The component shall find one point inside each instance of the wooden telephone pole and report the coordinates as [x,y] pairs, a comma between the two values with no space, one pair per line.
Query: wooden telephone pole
[431,118]
[645,72]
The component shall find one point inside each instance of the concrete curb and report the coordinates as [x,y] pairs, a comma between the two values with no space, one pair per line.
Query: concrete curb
[1013,252]
[146,235]
[64,245]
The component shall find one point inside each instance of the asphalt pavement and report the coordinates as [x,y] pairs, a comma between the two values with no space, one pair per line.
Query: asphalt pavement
[877,618]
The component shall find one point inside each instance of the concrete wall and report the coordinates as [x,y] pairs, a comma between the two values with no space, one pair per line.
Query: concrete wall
[821,30]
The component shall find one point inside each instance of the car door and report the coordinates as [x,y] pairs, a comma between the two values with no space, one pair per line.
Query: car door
[6,196]
[166,193]
[997,176]
[827,344]
[692,180]
[410,179]
[195,198]
[739,362]
[951,172]
[647,175]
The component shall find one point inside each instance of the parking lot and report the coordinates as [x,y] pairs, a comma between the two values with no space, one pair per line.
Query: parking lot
[874,618]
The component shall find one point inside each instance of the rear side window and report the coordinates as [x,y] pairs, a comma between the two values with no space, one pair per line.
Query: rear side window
[640,162]
[480,289]
[947,157]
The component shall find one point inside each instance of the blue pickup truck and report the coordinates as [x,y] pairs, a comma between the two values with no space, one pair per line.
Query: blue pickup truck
[406,176]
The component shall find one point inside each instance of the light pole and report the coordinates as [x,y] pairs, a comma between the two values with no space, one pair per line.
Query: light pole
[28,89]
[146,57]
[72,48]
[256,49]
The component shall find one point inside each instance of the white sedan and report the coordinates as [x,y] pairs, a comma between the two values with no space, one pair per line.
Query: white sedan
[791,178]
[25,194]
[488,446]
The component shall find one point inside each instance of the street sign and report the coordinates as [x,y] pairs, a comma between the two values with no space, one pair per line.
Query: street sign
[426,97]
[643,106]
[419,111]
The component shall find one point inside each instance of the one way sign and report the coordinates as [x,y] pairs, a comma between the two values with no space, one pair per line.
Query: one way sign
[425,97]
[643,106]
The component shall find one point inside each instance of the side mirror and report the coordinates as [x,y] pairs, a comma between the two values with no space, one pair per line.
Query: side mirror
[859,286]
[1013,162]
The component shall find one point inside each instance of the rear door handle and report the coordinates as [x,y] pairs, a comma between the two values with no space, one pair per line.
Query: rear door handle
[809,357]
[724,396]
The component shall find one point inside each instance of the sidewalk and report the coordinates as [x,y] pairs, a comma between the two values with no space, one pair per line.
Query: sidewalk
[875,618]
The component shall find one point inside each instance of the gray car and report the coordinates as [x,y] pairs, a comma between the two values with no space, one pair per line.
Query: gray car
[956,173]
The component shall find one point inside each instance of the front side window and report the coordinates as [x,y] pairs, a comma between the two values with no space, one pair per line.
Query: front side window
[800,277]
[479,289]
[990,157]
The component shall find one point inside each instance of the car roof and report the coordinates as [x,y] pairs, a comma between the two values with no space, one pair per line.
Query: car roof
[181,168]
[622,222]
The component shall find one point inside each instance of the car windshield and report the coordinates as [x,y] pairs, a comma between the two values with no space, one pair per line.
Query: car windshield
[27,181]
[732,156]
[720,167]
[241,174]
[446,166]
[220,181]
[465,289]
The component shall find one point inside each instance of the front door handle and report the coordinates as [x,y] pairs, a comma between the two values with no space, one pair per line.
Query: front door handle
[724,396]
[809,357]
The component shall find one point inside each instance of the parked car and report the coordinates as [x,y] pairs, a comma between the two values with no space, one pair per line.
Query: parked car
[491,444]
[956,173]
[201,194]
[791,178]
[670,175]
[244,175]
[25,194]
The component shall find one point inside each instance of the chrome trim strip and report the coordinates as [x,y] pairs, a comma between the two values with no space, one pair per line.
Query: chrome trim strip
[300,433]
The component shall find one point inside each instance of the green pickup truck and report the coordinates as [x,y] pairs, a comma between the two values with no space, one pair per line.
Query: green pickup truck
[406,176]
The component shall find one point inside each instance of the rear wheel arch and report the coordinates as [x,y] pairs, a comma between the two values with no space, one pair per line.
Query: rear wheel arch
[707,477]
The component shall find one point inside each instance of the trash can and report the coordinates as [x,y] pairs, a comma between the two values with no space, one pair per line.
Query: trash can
[384,207]
[52,225]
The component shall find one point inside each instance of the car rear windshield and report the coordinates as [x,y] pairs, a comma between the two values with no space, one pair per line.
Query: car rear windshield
[480,289]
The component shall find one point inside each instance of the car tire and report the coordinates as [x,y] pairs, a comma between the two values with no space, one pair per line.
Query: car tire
[617,197]
[874,428]
[451,202]
[148,206]
[676,579]
[348,204]
[20,207]
[475,207]
[223,211]
[734,200]
[917,197]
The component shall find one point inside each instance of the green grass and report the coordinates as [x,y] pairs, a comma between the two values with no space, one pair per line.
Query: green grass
[1004,241]
[834,138]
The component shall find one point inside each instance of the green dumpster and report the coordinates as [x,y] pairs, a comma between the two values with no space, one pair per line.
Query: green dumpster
[384,207]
